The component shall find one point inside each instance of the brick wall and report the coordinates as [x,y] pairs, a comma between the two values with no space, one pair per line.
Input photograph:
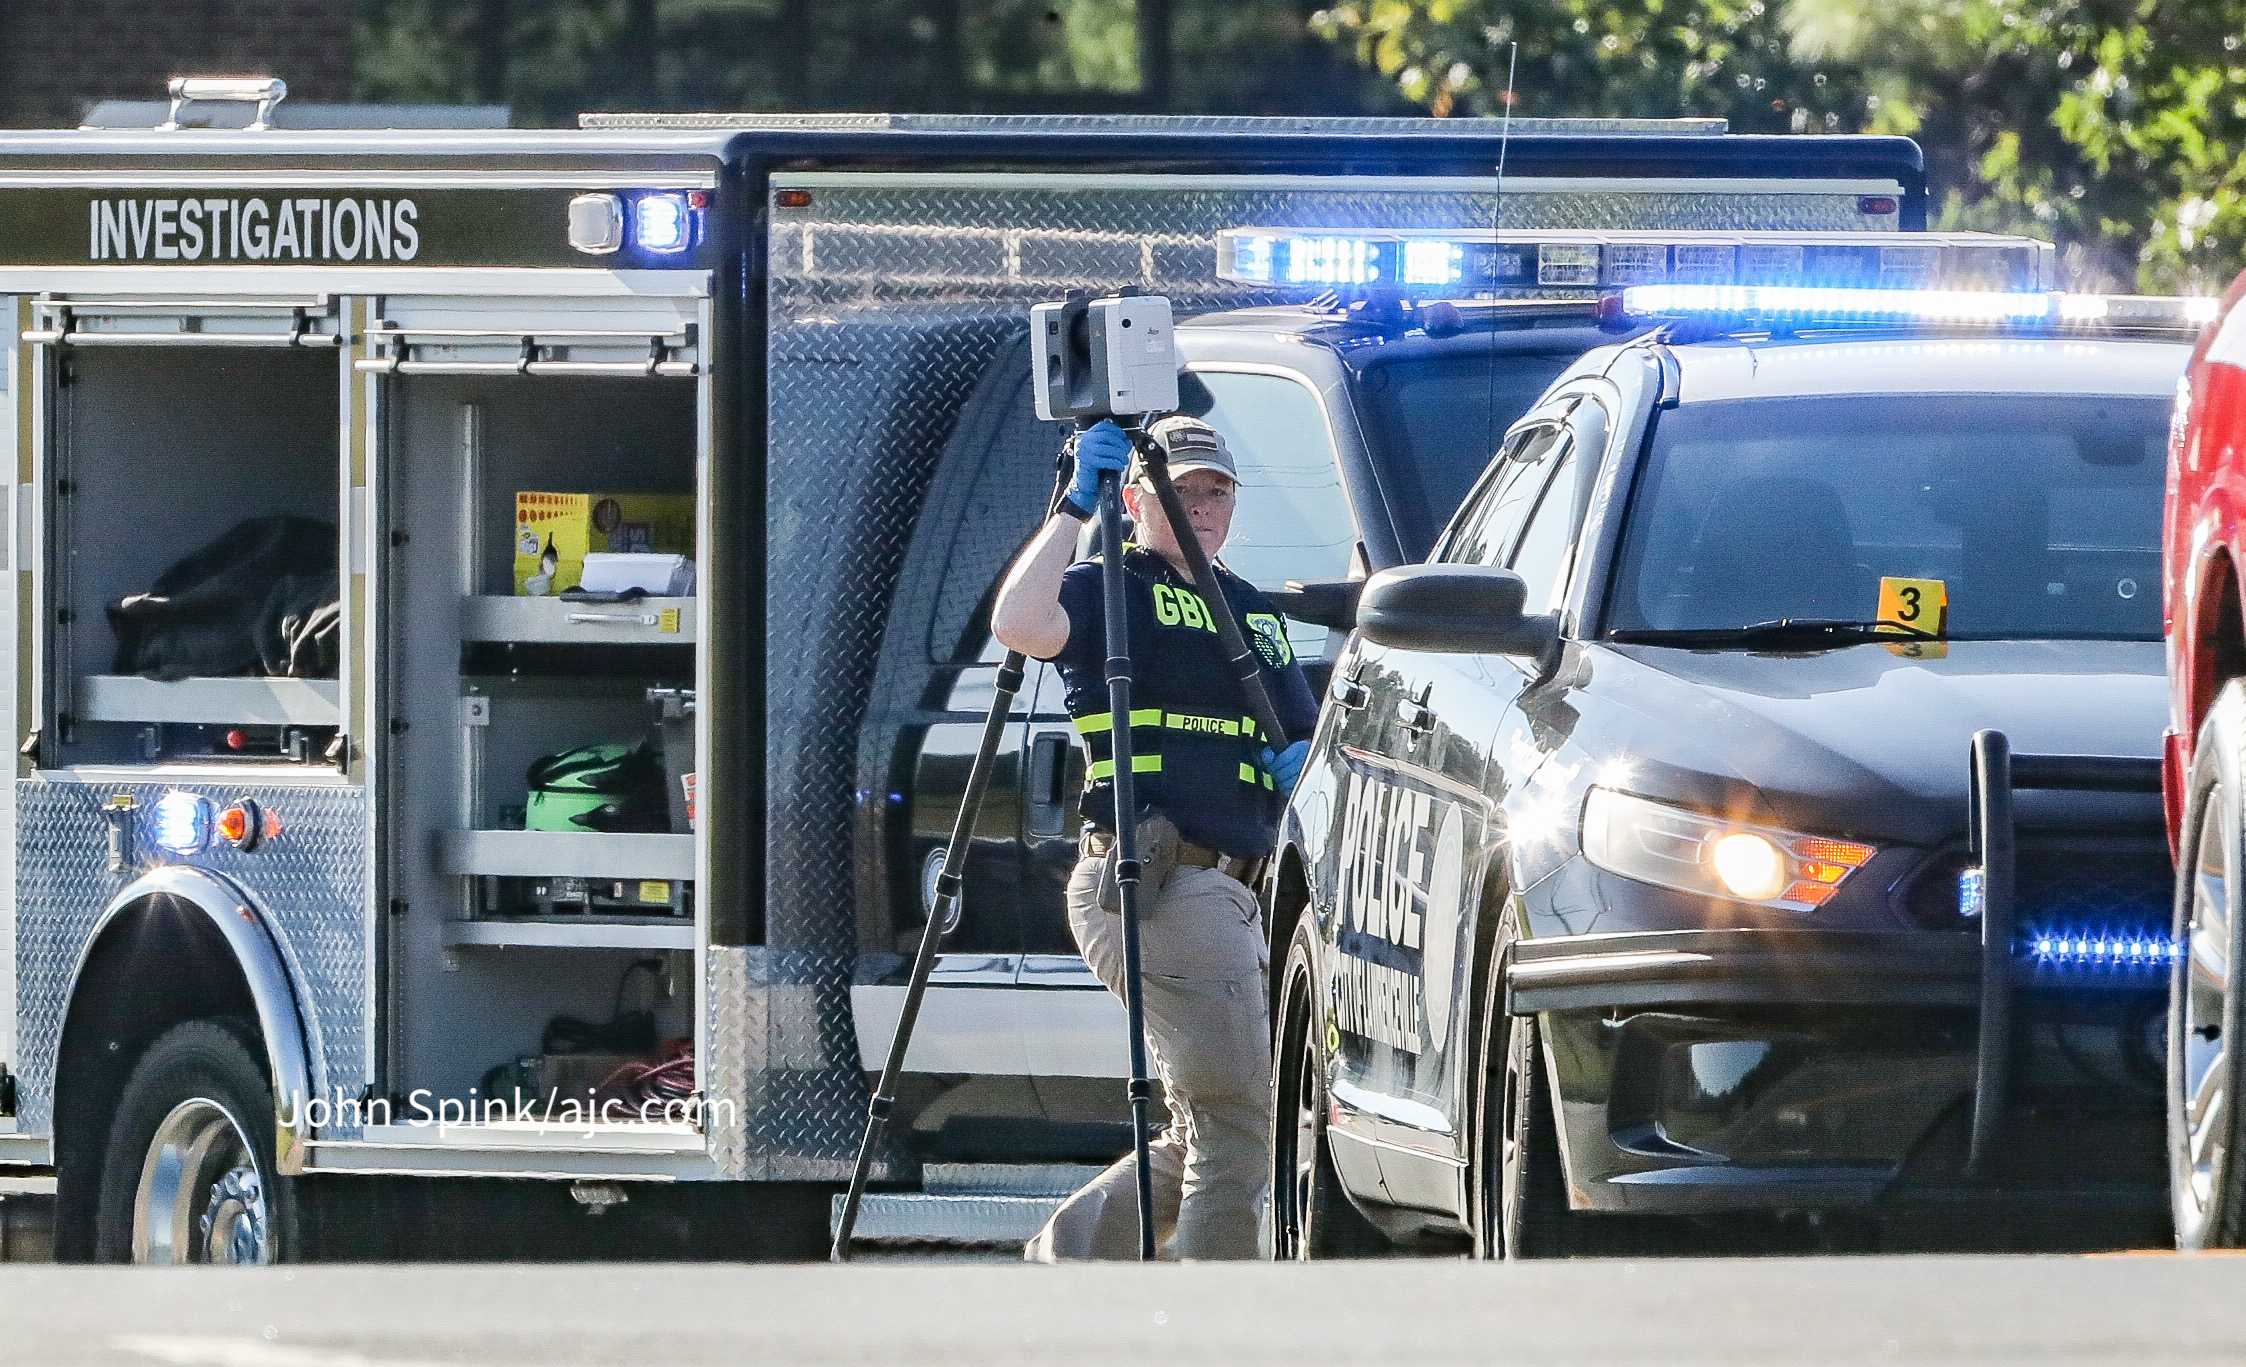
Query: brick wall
[57,55]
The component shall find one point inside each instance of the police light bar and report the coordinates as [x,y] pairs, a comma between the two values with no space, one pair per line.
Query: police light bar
[1581,263]
[1787,307]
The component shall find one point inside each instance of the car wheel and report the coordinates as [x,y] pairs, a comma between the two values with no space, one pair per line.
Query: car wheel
[2206,1181]
[189,1174]
[1517,1184]
[1311,1217]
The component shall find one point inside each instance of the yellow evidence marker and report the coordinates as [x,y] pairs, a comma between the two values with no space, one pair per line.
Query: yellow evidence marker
[1921,603]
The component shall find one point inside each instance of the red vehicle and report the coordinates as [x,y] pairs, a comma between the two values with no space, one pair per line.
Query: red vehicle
[2204,782]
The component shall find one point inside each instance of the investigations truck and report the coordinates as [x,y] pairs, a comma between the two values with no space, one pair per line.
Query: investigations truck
[287,931]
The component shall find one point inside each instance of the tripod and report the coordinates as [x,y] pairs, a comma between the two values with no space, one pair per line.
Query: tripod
[1246,669]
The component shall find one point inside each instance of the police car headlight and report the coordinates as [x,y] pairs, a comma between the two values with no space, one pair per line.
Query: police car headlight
[1673,847]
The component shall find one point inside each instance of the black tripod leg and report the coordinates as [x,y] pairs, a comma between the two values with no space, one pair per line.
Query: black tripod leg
[1126,837]
[948,884]
[1247,667]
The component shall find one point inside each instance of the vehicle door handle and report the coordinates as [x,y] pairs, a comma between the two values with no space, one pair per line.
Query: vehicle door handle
[1048,770]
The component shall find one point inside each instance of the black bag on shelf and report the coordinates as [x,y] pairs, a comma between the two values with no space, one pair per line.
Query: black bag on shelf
[262,599]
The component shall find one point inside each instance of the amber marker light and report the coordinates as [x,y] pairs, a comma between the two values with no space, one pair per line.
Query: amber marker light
[245,825]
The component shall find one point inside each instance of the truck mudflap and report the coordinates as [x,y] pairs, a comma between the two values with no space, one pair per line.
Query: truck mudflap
[1996,774]
[1741,967]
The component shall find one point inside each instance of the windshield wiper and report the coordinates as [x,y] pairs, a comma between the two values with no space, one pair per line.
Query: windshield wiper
[1787,633]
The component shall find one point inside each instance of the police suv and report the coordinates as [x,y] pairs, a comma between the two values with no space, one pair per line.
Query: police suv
[1750,804]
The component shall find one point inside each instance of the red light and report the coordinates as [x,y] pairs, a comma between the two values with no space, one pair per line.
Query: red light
[697,199]
[1878,204]
[237,740]
[792,199]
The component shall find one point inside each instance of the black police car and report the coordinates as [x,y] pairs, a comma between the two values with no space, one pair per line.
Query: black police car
[1631,874]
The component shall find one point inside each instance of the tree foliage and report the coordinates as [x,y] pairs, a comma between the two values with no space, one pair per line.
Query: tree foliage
[2115,127]
[550,59]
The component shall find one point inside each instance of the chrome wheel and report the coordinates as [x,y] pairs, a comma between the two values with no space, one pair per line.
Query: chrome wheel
[2200,1046]
[201,1198]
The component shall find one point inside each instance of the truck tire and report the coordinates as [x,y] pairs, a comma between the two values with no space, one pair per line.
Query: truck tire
[188,1175]
[1311,1216]
[2206,1166]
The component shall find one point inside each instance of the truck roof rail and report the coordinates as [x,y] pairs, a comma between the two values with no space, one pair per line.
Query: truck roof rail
[1145,123]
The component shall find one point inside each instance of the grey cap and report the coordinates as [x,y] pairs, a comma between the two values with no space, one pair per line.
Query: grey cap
[1192,445]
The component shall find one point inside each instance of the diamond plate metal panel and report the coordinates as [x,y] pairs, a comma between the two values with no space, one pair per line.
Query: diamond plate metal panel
[311,884]
[874,247]
[785,1056]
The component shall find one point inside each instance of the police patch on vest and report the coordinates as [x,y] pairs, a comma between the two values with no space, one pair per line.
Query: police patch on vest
[1271,639]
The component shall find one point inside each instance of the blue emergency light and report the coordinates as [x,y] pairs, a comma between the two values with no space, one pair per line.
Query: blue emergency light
[662,222]
[1586,263]
[2112,951]
[1785,307]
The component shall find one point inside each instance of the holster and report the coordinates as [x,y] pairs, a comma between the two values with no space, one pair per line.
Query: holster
[1158,857]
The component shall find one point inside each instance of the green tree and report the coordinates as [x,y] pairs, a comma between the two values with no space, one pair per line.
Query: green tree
[2114,127]
[1631,58]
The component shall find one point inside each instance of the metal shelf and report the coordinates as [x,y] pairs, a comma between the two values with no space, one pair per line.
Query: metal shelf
[651,621]
[242,702]
[565,854]
[589,934]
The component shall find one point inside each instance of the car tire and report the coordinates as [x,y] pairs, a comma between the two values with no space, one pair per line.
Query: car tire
[188,1175]
[1517,1183]
[1311,1216]
[2206,1165]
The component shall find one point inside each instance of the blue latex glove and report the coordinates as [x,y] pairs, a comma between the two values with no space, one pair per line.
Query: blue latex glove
[1285,766]
[1102,446]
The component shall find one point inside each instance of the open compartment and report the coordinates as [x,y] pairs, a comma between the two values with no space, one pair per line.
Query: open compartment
[542,938]
[194,554]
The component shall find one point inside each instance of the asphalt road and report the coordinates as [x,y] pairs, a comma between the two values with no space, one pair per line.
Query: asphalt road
[2048,1311]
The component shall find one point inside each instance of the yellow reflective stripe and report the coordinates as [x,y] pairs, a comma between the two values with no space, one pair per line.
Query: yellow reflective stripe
[1249,773]
[1105,721]
[1140,764]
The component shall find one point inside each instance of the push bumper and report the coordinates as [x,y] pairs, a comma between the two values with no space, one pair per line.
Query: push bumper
[1689,968]
[1738,1068]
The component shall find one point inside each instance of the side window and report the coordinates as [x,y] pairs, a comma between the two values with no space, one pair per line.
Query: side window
[1489,528]
[1547,548]
[1543,553]
[1292,520]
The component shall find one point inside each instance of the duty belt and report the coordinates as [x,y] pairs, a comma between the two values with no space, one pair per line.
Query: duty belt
[1190,855]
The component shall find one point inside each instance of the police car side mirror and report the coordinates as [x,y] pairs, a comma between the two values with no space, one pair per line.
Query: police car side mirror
[1457,610]
[1328,603]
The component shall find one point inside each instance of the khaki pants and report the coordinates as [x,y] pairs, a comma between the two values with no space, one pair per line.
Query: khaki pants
[1202,956]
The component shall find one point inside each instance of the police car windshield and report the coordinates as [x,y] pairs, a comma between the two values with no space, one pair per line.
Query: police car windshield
[2038,515]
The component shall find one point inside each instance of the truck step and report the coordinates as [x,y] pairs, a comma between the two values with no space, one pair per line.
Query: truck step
[1005,1179]
[967,1204]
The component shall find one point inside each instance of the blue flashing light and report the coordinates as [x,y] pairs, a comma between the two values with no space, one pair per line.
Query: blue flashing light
[1429,262]
[2101,950]
[183,822]
[1331,261]
[1780,303]
[662,223]
[1972,892]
